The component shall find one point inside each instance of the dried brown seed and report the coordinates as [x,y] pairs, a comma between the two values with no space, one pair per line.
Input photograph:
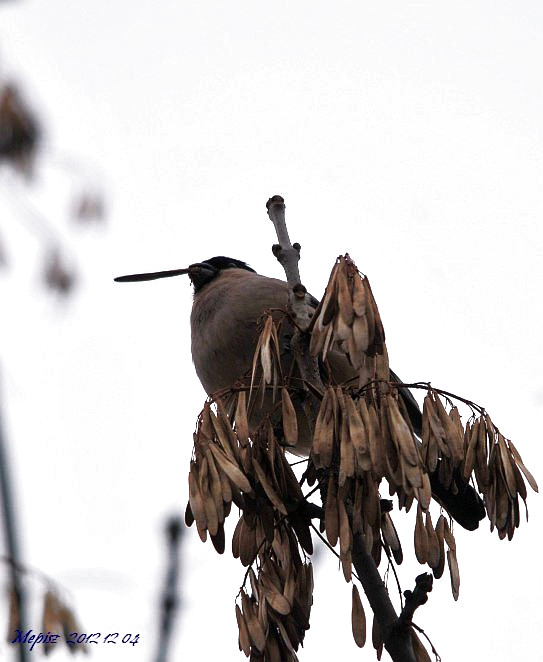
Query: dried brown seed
[218,540]
[329,302]
[376,447]
[518,460]
[242,424]
[268,488]
[481,453]
[433,543]
[345,534]
[401,433]
[344,296]
[207,498]
[453,439]
[247,543]
[437,430]
[421,654]
[440,535]
[290,422]
[471,446]
[215,485]
[289,590]
[346,464]
[230,469]
[331,513]
[254,584]
[285,638]
[196,503]
[278,602]
[345,540]
[454,572]
[358,296]
[346,565]
[256,633]
[189,516]
[323,437]
[390,537]
[244,641]
[456,423]
[358,619]
[361,339]
[265,350]
[273,651]
[424,493]
[449,537]
[222,437]
[507,465]
[358,435]
[236,538]
[421,538]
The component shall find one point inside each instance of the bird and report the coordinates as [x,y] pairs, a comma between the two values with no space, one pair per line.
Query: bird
[229,299]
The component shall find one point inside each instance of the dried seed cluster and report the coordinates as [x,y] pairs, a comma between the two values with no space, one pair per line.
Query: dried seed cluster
[497,466]
[56,617]
[348,319]
[430,547]
[273,527]
[19,132]
[362,434]
[272,621]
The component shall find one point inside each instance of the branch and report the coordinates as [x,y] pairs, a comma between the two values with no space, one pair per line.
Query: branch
[288,255]
[395,632]
[416,598]
[170,600]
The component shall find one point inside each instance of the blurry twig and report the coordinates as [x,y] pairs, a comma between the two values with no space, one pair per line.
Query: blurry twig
[11,536]
[170,600]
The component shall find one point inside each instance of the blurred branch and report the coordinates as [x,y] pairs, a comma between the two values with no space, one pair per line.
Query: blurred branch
[170,599]
[11,536]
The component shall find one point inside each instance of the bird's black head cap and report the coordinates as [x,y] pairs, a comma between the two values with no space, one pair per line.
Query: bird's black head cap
[204,272]
[200,273]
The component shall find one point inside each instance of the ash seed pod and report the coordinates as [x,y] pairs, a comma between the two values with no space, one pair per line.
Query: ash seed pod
[358,619]
[421,538]
[433,543]
[290,422]
[331,516]
[454,572]
[242,424]
[440,535]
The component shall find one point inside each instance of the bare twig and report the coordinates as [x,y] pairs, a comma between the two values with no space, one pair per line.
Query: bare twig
[417,597]
[288,256]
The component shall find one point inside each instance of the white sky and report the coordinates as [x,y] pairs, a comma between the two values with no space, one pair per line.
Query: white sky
[408,134]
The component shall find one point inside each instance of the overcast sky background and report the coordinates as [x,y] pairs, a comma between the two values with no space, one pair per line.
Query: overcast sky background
[408,134]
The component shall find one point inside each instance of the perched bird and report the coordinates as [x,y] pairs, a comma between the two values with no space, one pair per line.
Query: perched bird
[229,299]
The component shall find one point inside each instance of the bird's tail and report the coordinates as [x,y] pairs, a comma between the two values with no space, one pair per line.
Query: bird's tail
[464,505]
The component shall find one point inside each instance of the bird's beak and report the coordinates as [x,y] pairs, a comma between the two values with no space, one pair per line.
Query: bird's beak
[151,276]
[195,271]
